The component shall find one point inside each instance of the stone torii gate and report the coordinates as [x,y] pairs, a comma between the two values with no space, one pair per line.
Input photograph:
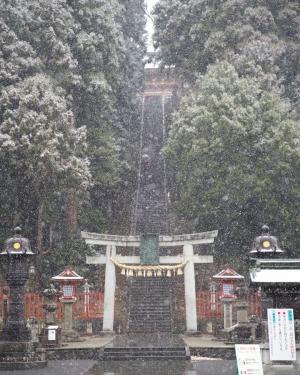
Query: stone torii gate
[187,241]
[188,257]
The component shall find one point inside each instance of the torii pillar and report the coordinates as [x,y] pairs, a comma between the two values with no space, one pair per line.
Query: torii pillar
[110,288]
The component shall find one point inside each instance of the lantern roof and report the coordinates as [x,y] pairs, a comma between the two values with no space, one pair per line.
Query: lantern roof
[68,274]
[228,274]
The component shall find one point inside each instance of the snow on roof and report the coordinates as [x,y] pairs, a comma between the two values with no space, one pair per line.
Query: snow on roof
[228,273]
[67,274]
[275,276]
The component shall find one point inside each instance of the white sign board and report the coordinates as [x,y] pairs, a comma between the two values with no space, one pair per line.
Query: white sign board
[52,333]
[281,335]
[248,359]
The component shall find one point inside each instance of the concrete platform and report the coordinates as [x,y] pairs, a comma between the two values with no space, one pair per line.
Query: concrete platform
[88,342]
[92,347]
[204,341]
[139,340]
[208,346]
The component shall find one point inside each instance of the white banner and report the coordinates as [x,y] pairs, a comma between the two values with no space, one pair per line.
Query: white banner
[248,359]
[281,335]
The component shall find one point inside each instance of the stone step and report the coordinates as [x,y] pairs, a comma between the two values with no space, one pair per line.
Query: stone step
[138,315]
[151,297]
[145,348]
[143,311]
[159,297]
[149,322]
[141,304]
[154,291]
[151,329]
[146,353]
[150,305]
[147,326]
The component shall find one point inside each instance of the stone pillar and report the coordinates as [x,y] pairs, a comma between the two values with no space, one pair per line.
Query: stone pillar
[68,313]
[190,290]
[109,291]
[68,333]
[227,314]
[242,312]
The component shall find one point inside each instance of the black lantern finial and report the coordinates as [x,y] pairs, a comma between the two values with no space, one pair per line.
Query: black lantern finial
[265,243]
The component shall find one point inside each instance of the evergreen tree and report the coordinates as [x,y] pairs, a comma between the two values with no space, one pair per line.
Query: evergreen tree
[18,59]
[69,74]
[260,38]
[236,151]
[42,152]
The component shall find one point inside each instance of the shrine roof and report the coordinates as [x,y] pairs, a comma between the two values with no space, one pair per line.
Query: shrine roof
[229,274]
[275,276]
[67,274]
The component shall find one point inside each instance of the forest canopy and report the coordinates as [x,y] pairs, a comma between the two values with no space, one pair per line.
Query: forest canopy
[70,72]
[234,141]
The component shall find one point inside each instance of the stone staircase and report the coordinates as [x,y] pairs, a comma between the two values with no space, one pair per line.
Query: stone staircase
[150,301]
[157,353]
[150,347]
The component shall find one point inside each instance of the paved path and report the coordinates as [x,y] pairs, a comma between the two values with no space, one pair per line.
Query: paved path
[73,367]
[89,342]
[204,342]
[200,367]
[192,341]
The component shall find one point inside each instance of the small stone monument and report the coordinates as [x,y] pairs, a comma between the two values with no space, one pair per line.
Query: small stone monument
[244,331]
[17,350]
[51,334]
[68,281]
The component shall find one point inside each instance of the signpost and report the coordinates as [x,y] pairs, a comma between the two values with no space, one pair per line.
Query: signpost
[281,335]
[248,360]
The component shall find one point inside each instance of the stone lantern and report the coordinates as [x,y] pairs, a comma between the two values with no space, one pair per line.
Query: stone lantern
[17,351]
[51,334]
[228,281]
[68,281]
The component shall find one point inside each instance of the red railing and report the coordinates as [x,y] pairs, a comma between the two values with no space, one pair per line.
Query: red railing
[210,306]
[88,306]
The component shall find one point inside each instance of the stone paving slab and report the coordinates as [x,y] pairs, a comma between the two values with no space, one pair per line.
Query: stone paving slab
[202,366]
[89,342]
[146,341]
[204,341]
[73,367]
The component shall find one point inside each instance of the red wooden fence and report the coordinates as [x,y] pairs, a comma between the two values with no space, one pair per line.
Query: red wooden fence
[87,306]
[210,306]
[90,306]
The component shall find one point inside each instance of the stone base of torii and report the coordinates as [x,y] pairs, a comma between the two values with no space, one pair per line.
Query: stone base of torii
[112,242]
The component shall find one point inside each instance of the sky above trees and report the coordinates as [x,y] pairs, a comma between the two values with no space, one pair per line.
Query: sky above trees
[149,26]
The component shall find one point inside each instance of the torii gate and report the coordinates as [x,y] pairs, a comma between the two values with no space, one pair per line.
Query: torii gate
[187,257]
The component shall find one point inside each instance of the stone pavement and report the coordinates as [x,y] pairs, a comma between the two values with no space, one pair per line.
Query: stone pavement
[197,366]
[72,367]
[101,341]
[204,341]
[89,342]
